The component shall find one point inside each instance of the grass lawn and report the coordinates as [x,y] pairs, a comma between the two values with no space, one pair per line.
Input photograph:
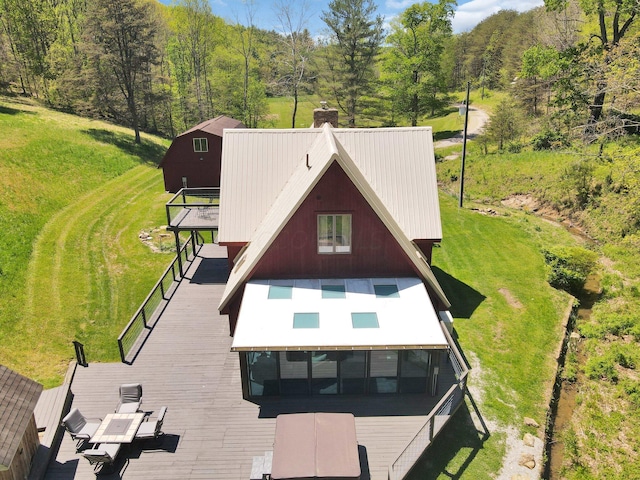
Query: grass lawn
[508,323]
[281,109]
[75,194]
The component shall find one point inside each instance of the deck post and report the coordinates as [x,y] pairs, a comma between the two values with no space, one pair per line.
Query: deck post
[80,357]
[175,232]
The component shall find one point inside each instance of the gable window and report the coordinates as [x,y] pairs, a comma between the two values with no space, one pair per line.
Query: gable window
[334,233]
[200,145]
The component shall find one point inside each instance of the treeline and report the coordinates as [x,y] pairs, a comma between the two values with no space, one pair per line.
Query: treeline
[164,68]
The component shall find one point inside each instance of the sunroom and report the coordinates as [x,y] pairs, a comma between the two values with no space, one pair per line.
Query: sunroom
[338,337]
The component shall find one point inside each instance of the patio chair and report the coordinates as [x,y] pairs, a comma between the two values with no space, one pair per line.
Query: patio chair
[79,427]
[102,454]
[130,398]
[151,428]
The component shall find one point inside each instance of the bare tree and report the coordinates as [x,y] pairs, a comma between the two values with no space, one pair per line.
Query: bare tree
[298,47]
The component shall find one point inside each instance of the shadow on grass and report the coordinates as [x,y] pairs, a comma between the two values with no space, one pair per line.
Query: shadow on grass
[446,134]
[464,298]
[148,152]
[461,433]
[13,111]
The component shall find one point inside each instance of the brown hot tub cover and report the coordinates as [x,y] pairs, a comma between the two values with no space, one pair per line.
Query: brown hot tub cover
[315,446]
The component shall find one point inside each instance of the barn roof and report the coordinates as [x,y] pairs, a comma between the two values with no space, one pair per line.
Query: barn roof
[397,163]
[18,398]
[325,149]
[215,126]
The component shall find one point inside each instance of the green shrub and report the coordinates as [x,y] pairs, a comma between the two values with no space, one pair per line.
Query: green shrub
[514,147]
[610,324]
[601,367]
[549,140]
[570,267]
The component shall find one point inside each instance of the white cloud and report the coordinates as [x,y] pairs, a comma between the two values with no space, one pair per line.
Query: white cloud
[469,14]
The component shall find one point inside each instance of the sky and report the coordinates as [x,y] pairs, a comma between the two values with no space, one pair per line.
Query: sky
[468,12]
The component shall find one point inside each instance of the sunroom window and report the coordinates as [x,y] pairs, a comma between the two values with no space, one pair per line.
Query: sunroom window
[334,233]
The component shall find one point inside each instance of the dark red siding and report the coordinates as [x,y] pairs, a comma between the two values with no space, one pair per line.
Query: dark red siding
[202,169]
[375,252]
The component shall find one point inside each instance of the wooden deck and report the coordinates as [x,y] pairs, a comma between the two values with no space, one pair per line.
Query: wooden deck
[210,431]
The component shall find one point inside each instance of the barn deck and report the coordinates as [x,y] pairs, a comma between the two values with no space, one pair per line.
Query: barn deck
[210,430]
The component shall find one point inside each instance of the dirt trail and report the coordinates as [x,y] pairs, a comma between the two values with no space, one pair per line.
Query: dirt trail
[477,120]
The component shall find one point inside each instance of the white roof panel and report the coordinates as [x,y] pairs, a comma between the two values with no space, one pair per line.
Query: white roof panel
[398,163]
[405,321]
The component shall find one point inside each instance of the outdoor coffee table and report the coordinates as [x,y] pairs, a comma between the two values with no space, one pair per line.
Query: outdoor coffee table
[118,428]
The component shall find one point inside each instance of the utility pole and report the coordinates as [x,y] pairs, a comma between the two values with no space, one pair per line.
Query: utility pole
[464,145]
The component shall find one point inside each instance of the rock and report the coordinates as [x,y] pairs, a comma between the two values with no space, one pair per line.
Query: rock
[530,422]
[528,461]
[529,440]
[519,476]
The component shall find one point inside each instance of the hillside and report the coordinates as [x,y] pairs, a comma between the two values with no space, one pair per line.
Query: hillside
[75,194]
[593,193]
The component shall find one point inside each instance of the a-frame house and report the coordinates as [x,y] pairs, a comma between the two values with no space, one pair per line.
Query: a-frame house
[329,233]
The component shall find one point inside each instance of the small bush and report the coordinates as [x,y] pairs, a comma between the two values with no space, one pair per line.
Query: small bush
[610,324]
[549,140]
[601,368]
[570,267]
[514,147]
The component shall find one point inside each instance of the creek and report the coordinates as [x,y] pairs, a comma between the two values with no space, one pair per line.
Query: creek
[564,402]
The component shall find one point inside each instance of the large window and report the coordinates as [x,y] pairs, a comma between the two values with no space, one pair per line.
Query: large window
[200,145]
[334,233]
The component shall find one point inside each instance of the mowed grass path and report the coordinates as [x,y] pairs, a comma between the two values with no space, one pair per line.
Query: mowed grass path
[89,271]
[75,195]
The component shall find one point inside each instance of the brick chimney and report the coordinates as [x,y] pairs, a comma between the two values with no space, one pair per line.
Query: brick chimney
[325,115]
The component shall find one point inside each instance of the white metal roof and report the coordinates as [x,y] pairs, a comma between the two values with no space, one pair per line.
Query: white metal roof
[398,164]
[407,321]
[320,155]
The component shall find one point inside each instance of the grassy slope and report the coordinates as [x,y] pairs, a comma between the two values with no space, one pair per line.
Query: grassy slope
[509,338]
[75,194]
[604,436]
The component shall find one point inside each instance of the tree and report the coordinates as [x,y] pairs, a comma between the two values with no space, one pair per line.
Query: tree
[539,66]
[355,38]
[505,124]
[119,42]
[614,18]
[413,61]
[297,48]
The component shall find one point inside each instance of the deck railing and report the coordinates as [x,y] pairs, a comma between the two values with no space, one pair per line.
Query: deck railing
[191,198]
[159,295]
[438,417]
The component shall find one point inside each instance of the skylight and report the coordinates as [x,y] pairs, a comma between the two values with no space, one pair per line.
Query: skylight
[306,320]
[386,291]
[333,291]
[279,292]
[365,320]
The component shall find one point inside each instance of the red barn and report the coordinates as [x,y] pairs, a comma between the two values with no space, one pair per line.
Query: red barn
[329,234]
[193,159]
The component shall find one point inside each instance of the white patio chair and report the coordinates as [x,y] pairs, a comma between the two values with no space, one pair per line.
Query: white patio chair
[79,427]
[130,398]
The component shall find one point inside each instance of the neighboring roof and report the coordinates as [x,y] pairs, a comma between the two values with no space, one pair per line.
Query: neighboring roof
[398,164]
[18,398]
[320,155]
[405,319]
[216,125]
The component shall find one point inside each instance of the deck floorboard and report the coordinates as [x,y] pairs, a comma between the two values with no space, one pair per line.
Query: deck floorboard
[210,430]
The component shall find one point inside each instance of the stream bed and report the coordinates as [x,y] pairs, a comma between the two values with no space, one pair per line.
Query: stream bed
[564,404]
